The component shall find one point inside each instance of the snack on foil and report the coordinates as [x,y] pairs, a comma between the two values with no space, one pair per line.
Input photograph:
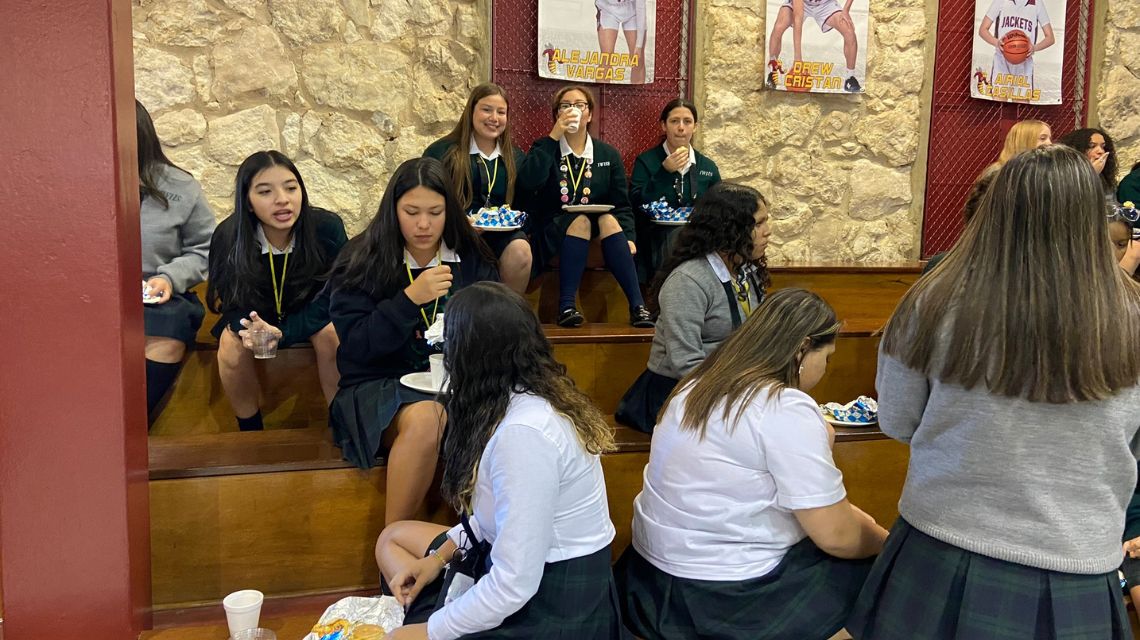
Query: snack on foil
[660,211]
[356,618]
[498,217]
[862,410]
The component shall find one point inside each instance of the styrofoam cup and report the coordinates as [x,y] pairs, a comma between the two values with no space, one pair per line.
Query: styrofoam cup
[573,126]
[438,372]
[243,609]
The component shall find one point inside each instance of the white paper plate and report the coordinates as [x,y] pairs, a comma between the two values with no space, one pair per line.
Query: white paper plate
[844,423]
[587,208]
[671,223]
[420,381]
[510,228]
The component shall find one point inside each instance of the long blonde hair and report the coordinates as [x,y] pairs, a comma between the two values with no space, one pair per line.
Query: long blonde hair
[1022,137]
[1030,303]
[458,158]
[765,352]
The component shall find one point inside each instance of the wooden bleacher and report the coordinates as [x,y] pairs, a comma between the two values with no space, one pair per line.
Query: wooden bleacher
[280,511]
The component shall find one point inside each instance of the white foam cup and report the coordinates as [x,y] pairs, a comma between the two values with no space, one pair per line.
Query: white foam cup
[573,126]
[438,372]
[243,609]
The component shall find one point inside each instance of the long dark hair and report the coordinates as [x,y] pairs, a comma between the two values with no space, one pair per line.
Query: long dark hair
[1081,140]
[677,103]
[722,221]
[151,157]
[458,160]
[372,261]
[1030,303]
[233,277]
[494,346]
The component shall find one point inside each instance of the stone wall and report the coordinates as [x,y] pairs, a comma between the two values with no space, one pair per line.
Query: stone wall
[347,88]
[1119,91]
[837,169]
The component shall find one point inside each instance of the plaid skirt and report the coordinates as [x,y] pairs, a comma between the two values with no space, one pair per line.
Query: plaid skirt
[178,318]
[360,414]
[639,407]
[921,587]
[806,597]
[576,600]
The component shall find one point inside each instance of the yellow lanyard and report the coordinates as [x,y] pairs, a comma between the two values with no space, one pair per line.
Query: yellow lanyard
[435,307]
[278,292]
[490,177]
[742,296]
[576,181]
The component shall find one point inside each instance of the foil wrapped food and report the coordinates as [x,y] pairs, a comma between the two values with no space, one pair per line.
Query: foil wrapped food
[660,211]
[861,410]
[498,217]
[356,618]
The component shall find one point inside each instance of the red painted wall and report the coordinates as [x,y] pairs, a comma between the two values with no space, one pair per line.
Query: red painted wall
[74,531]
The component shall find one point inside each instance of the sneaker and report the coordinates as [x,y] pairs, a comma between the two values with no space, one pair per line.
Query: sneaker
[640,317]
[772,78]
[852,85]
[570,317]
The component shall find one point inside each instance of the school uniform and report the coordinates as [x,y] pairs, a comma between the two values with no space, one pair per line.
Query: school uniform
[717,552]
[701,306]
[1005,529]
[304,309]
[382,339]
[540,501]
[649,183]
[1129,188]
[175,246]
[489,186]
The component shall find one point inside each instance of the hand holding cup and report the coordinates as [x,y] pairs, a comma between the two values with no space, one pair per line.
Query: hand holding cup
[675,161]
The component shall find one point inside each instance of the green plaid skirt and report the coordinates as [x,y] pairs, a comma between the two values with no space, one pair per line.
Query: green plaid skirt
[806,597]
[924,588]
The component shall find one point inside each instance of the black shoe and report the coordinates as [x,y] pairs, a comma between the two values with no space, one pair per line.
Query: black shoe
[852,85]
[640,317]
[570,317]
[772,78]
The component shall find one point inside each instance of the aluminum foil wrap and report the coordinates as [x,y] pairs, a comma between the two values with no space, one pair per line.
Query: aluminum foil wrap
[357,618]
[861,410]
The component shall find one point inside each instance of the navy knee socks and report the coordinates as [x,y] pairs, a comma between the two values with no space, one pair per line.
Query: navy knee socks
[619,261]
[571,264]
[159,378]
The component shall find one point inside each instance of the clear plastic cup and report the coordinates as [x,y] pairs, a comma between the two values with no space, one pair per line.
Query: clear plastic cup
[438,371]
[243,610]
[259,633]
[264,343]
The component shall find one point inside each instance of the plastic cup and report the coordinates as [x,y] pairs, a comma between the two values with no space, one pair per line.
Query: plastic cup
[438,371]
[573,126]
[243,610]
[264,343]
[259,633]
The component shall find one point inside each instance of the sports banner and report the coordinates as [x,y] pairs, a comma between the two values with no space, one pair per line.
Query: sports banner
[597,40]
[1019,47]
[826,54]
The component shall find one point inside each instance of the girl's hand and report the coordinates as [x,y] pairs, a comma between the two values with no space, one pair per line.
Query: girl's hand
[160,288]
[1131,261]
[255,323]
[632,248]
[676,160]
[429,285]
[408,632]
[1132,548]
[409,582]
[562,123]
[1099,163]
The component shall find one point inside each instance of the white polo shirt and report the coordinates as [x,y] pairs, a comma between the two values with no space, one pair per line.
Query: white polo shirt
[721,508]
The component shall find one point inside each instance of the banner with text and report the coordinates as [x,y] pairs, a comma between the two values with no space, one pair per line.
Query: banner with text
[827,53]
[1019,47]
[597,40]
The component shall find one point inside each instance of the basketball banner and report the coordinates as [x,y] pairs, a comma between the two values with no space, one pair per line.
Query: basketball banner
[1019,47]
[827,53]
[597,40]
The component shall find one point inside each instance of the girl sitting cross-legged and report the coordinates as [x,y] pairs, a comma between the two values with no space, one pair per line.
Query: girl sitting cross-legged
[521,462]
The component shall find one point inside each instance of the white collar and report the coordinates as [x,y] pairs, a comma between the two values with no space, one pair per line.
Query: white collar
[447,253]
[587,153]
[475,150]
[692,156]
[266,247]
[718,267]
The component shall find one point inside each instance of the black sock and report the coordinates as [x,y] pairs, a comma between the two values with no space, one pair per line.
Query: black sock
[159,378]
[619,260]
[571,264]
[252,423]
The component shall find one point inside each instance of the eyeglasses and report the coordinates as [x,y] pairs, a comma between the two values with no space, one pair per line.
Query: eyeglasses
[581,106]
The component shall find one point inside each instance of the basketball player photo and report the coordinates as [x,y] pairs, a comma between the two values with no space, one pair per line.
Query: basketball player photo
[606,41]
[827,43]
[1017,55]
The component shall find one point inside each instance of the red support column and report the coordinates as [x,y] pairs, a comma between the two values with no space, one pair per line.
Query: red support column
[74,522]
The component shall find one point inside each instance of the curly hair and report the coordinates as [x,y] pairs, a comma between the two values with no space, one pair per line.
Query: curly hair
[722,221]
[494,347]
[1081,140]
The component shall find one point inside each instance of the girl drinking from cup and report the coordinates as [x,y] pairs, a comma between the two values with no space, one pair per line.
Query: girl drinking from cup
[674,171]
[485,166]
[267,267]
[521,463]
[581,171]
[389,286]
[743,518]
[176,223]
[715,277]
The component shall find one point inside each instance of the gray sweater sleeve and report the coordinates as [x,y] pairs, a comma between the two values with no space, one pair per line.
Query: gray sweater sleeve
[189,268]
[903,393]
[684,304]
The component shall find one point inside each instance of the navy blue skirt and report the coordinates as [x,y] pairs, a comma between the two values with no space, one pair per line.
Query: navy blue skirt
[808,596]
[639,407]
[922,587]
[360,414]
[498,240]
[178,318]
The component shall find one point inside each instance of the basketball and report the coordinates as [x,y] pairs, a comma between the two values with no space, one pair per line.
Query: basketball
[1015,47]
[798,81]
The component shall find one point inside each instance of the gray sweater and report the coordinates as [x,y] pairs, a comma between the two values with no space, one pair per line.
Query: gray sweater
[1042,485]
[176,240]
[694,320]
